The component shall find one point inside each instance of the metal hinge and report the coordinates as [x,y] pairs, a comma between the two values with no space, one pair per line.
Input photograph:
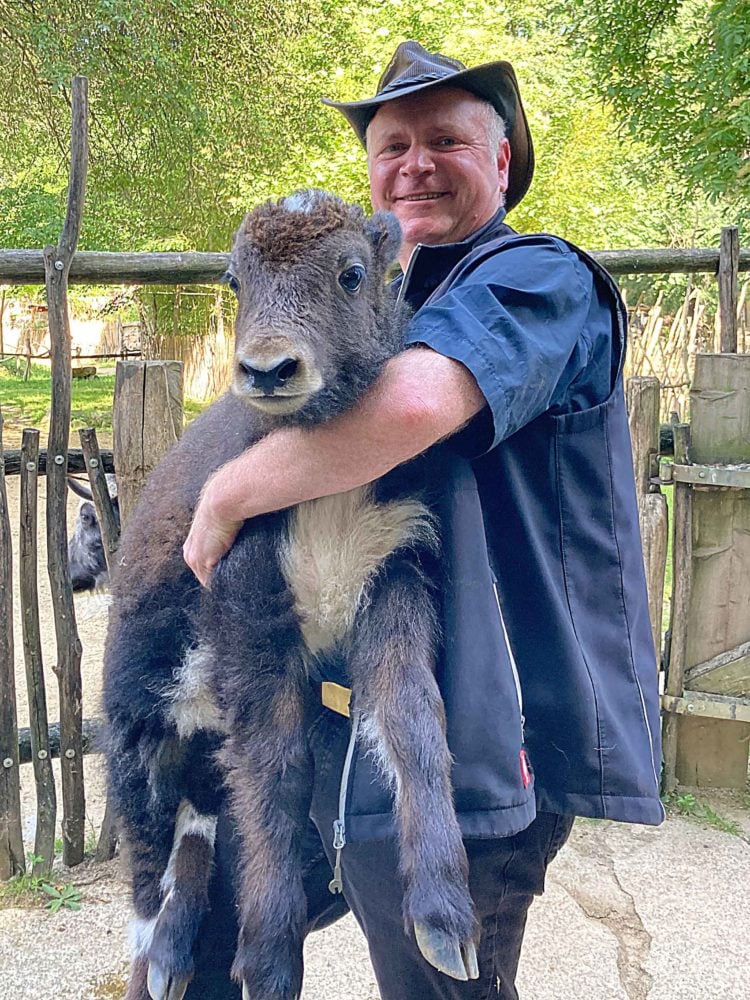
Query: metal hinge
[735,476]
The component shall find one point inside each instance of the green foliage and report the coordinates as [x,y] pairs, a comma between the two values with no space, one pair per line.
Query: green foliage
[678,74]
[63,897]
[31,889]
[686,804]
[185,112]
[198,111]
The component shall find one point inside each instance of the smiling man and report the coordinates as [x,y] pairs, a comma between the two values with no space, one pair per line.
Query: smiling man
[547,666]
[439,161]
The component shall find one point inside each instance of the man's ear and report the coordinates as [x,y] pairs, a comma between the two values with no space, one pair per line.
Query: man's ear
[384,232]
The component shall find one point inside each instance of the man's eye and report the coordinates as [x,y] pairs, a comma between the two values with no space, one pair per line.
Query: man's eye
[447,141]
[352,278]
[229,279]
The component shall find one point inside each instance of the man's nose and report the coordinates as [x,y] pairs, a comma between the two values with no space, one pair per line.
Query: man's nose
[417,161]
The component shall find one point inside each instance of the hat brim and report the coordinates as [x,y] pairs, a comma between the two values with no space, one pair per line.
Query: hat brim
[494,82]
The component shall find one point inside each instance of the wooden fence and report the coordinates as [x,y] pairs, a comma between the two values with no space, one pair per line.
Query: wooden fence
[666,346]
[153,392]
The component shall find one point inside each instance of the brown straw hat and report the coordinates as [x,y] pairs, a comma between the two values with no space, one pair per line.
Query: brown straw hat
[413,69]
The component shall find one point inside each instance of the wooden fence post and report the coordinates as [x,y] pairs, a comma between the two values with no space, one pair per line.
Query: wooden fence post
[711,751]
[147,419]
[57,262]
[643,418]
[11,839]
[46,798]
[729,257]
[682,558]
[107,842]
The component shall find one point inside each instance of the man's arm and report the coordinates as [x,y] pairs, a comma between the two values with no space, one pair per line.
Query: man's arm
[420,398]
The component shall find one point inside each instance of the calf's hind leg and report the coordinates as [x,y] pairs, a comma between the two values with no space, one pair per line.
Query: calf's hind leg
[403,724]
[170,848]
[185,901]
[270,780]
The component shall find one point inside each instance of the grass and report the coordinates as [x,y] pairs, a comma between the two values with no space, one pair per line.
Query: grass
[686,804]
[39,890]
[26,403]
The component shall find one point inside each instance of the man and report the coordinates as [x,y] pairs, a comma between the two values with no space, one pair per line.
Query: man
[517,353]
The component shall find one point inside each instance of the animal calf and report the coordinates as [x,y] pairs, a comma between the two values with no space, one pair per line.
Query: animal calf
[87,563]
[204,687]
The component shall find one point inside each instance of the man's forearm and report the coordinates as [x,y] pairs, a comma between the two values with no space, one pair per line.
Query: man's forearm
[420,398]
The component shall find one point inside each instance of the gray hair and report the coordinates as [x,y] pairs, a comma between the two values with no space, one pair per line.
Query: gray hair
[495,127]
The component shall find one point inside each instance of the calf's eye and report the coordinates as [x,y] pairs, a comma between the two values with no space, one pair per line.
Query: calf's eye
[352,278]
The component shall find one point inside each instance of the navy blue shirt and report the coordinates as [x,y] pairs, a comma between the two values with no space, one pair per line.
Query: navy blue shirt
[548,670]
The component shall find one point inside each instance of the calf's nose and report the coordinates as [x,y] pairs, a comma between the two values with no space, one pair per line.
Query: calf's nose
[269,379]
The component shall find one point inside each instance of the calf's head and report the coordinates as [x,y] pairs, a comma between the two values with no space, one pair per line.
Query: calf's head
[87,563]
[315,320]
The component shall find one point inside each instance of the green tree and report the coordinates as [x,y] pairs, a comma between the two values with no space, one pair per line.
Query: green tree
[186,115]
[677,73]
[200,110]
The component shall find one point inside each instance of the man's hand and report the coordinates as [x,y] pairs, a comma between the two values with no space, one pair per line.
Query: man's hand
[211,535]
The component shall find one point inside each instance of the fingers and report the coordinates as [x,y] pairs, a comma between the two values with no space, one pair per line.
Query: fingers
[208,540]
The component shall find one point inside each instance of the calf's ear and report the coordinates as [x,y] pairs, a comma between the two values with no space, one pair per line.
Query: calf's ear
[384,232]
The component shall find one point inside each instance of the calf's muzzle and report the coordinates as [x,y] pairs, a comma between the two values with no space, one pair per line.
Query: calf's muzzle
[265,378]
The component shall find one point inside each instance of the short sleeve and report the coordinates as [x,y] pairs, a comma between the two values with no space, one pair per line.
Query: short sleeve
[516,318]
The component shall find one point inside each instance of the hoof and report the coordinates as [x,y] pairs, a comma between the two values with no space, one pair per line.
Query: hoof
[446,953]
[162,986]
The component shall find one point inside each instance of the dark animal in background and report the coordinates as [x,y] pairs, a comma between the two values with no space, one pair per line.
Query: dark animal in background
[86,561]
[190,672]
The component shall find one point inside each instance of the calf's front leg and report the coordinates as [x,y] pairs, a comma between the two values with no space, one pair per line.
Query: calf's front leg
[403,724]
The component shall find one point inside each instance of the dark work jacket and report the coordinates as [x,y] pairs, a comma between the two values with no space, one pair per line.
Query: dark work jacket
[547,669]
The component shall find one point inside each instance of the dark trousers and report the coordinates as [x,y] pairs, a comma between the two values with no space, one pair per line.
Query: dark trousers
[504,876]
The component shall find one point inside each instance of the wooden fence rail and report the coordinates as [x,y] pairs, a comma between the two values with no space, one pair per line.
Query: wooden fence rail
[76,461]
[26,267]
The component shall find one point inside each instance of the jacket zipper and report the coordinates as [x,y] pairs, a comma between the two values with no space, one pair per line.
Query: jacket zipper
[339,824]
[408,271]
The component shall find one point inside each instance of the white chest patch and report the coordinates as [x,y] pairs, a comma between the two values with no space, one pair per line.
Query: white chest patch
[335,547]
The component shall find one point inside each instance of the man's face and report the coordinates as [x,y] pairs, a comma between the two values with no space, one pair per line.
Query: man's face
[431,163]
